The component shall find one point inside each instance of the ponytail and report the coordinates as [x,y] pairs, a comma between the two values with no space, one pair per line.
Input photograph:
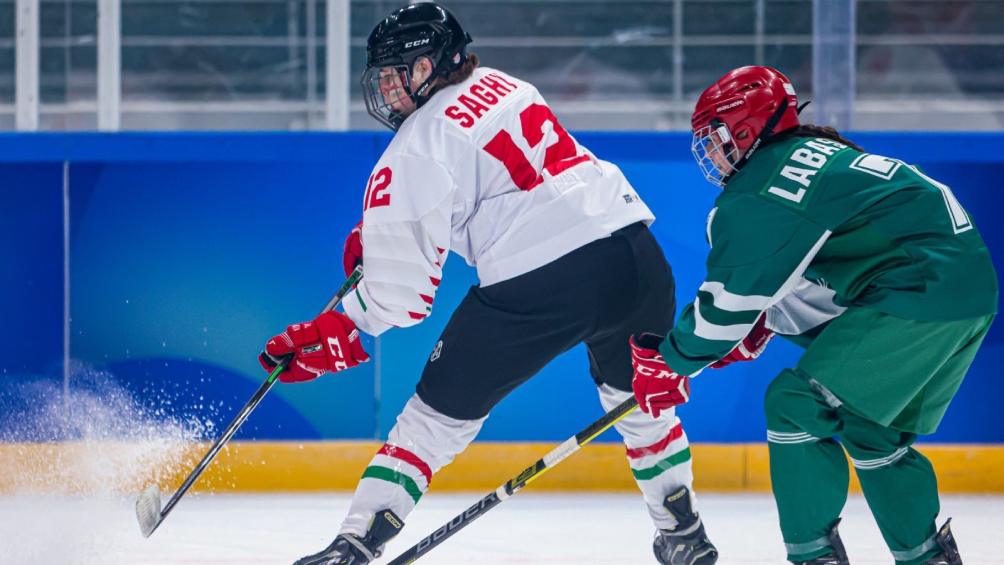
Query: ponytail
[811,130]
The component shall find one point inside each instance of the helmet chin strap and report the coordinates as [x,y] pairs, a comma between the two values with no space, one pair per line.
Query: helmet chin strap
[424,90]
[765,134]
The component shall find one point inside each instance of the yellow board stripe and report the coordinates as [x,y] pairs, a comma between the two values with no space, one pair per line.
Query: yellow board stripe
[337,465]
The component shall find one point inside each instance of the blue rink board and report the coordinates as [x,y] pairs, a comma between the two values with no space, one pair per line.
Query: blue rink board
[187,250]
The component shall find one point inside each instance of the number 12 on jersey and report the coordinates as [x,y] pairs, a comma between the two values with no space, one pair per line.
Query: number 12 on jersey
[558,157]
[376,189]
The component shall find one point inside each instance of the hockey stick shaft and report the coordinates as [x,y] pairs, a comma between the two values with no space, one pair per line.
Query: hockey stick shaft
[516,484]
[246,411]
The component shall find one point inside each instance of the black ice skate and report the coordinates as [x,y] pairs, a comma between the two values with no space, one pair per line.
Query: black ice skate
[348,549]
[949,551]
[838,556]
[687,544]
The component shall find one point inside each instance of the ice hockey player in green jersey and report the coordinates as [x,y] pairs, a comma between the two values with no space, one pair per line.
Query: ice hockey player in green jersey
[873,267]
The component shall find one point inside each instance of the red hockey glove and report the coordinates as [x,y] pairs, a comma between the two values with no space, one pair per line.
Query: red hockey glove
[656,386]
[329,343]
[750,347]
[353,252]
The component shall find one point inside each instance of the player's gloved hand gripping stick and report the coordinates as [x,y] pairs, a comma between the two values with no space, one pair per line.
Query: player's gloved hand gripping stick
[148,509]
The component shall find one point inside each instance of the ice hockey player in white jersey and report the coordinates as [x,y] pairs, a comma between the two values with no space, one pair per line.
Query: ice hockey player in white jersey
[480,166]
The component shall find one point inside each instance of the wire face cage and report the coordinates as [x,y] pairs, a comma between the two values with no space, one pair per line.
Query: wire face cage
[387,94]
[715,152]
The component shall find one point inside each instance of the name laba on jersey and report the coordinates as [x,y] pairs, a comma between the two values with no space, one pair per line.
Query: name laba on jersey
[802,166]
[479,98]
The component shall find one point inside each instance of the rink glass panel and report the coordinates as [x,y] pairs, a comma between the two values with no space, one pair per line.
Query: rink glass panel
[930,65]
[261,64]
[68,65]
[218,64]
[7,62]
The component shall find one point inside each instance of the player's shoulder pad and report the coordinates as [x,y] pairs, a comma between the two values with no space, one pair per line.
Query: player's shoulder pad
[425,135]
[469,103]
[746,229]
[405,186]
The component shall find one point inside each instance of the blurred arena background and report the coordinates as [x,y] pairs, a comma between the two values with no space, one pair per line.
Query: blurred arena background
[281,65]
[155,153]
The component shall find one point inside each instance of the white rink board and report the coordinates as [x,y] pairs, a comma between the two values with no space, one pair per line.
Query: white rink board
[529,528]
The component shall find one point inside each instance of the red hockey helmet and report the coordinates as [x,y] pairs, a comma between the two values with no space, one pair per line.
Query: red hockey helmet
[738,112]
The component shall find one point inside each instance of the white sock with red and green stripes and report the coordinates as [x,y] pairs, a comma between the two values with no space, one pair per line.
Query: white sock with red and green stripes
[421,443]
[658,454]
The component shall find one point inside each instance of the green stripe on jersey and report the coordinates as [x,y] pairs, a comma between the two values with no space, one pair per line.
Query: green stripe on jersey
[361,301]
[657,469]
[392,476]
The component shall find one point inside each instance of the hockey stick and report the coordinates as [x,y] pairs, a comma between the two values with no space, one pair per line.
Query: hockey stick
[148,510]
[514,485]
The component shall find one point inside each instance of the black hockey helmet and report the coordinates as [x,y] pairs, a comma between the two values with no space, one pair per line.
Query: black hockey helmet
[418,30]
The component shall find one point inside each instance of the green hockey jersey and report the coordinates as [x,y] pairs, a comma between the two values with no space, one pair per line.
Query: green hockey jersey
[810,227]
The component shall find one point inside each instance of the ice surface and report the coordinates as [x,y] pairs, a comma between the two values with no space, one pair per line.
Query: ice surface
[570,529]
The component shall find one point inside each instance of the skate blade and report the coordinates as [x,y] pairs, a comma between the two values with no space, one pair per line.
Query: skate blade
[148,510]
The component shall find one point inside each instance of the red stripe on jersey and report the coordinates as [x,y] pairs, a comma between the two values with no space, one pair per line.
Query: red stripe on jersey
[441,250]
[409,458]
[427,299]
[435,281]
[416,315]
[675,433]
[557,168]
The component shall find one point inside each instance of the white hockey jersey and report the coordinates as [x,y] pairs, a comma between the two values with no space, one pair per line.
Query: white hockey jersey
[483,169]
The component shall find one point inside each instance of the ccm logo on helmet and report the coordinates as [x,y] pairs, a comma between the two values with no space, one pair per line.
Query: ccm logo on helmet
[417,43]
[730,105]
